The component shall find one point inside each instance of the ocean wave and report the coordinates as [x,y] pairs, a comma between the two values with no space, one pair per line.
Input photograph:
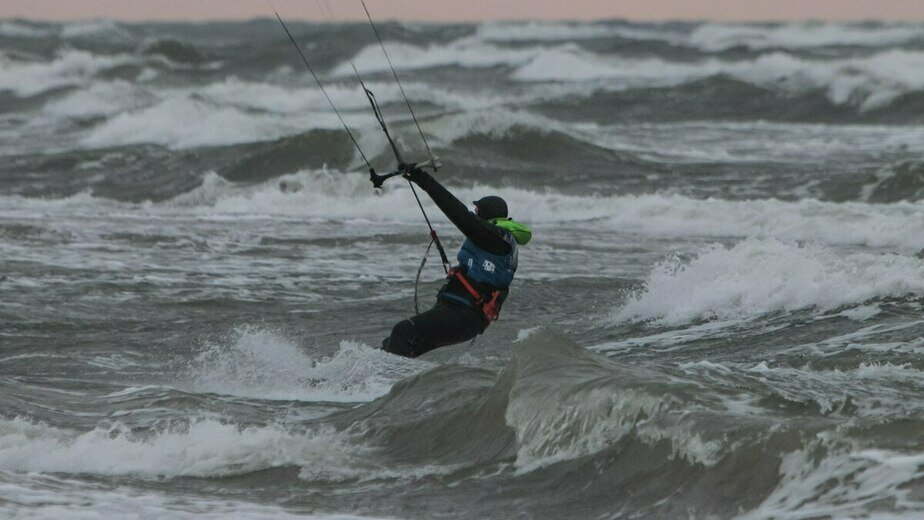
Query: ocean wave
[92,29]
[333,195]
[867,82]
[553,403]
[903,181]
[14,29]
[820,482]
[460,53]
[507,127]
[43,497]
[713,37]
[595,411]
[68,68]
[756,277]
[877,391]
[100,99]
[261,364]
[196,448]
[346,96]
[175,51]
[181,123]
[571,31]
[718,37]
[232,111]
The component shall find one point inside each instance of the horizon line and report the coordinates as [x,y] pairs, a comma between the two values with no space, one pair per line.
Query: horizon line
[270,17]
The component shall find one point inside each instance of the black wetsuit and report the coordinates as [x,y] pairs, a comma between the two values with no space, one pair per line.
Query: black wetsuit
[448,321]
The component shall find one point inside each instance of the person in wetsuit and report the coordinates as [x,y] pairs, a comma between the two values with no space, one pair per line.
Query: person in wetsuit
[476,288]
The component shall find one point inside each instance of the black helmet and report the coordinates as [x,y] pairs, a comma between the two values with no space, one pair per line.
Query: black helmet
[490,207]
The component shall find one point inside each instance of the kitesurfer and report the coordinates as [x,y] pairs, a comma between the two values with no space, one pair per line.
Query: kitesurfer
[474,290]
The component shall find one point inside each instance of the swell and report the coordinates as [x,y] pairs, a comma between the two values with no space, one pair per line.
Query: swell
[533,155]
[139,173]
[582,433]
[724,98]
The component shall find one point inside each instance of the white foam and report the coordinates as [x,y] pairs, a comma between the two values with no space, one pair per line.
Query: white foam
[460,53]
[568,31]
[203,448]
[21,30]
[524,334]
[262,364]
[713,36]
[91,28]
[895,226]
[756,277]
[867,82]
[331,195]
[717,37]
[68,68]
[182,122]
[568,64]
[495,123]
[877,391]
[585,422]
[37,497]
[843,484]
[348,96]
[234,111]
[100,99]
[346,196]
[862,313]
[277,98]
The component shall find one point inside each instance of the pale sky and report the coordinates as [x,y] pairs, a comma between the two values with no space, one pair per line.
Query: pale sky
[469,10]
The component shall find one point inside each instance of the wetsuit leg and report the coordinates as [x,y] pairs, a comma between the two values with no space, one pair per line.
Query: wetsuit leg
[444,324]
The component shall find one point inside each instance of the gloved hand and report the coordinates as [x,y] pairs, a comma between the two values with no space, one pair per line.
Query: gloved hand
[413,173]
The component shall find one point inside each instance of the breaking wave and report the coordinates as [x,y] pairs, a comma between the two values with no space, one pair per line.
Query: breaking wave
[716,37]
[331,195]
[865,82]
[200,448]
[756,277]
[69,68]
[261,364]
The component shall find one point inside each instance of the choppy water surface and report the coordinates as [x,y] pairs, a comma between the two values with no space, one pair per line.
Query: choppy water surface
[720,315]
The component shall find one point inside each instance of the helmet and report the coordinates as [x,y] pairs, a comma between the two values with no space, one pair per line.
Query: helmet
[490,207]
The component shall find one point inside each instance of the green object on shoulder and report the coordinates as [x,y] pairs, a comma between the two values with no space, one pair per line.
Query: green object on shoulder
[521,232]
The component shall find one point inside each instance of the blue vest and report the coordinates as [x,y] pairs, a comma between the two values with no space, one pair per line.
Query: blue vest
[487,271]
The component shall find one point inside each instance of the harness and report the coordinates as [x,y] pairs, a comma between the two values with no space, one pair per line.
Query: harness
[486,303]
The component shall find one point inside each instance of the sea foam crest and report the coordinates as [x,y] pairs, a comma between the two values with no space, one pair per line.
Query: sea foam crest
[68,68]
[843,483]
[200,448]
[100,99]
[185,122]
[867,82]
[597,404]
[717,37]
[570,31]
[334,195]
[21,30]
[232,111]
[465,53]
[42,497]
[755,277]
[262,364]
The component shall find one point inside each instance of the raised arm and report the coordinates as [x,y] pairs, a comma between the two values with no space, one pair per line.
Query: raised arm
[482,232]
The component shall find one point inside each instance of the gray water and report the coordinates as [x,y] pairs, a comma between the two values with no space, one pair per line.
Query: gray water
[719,315]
